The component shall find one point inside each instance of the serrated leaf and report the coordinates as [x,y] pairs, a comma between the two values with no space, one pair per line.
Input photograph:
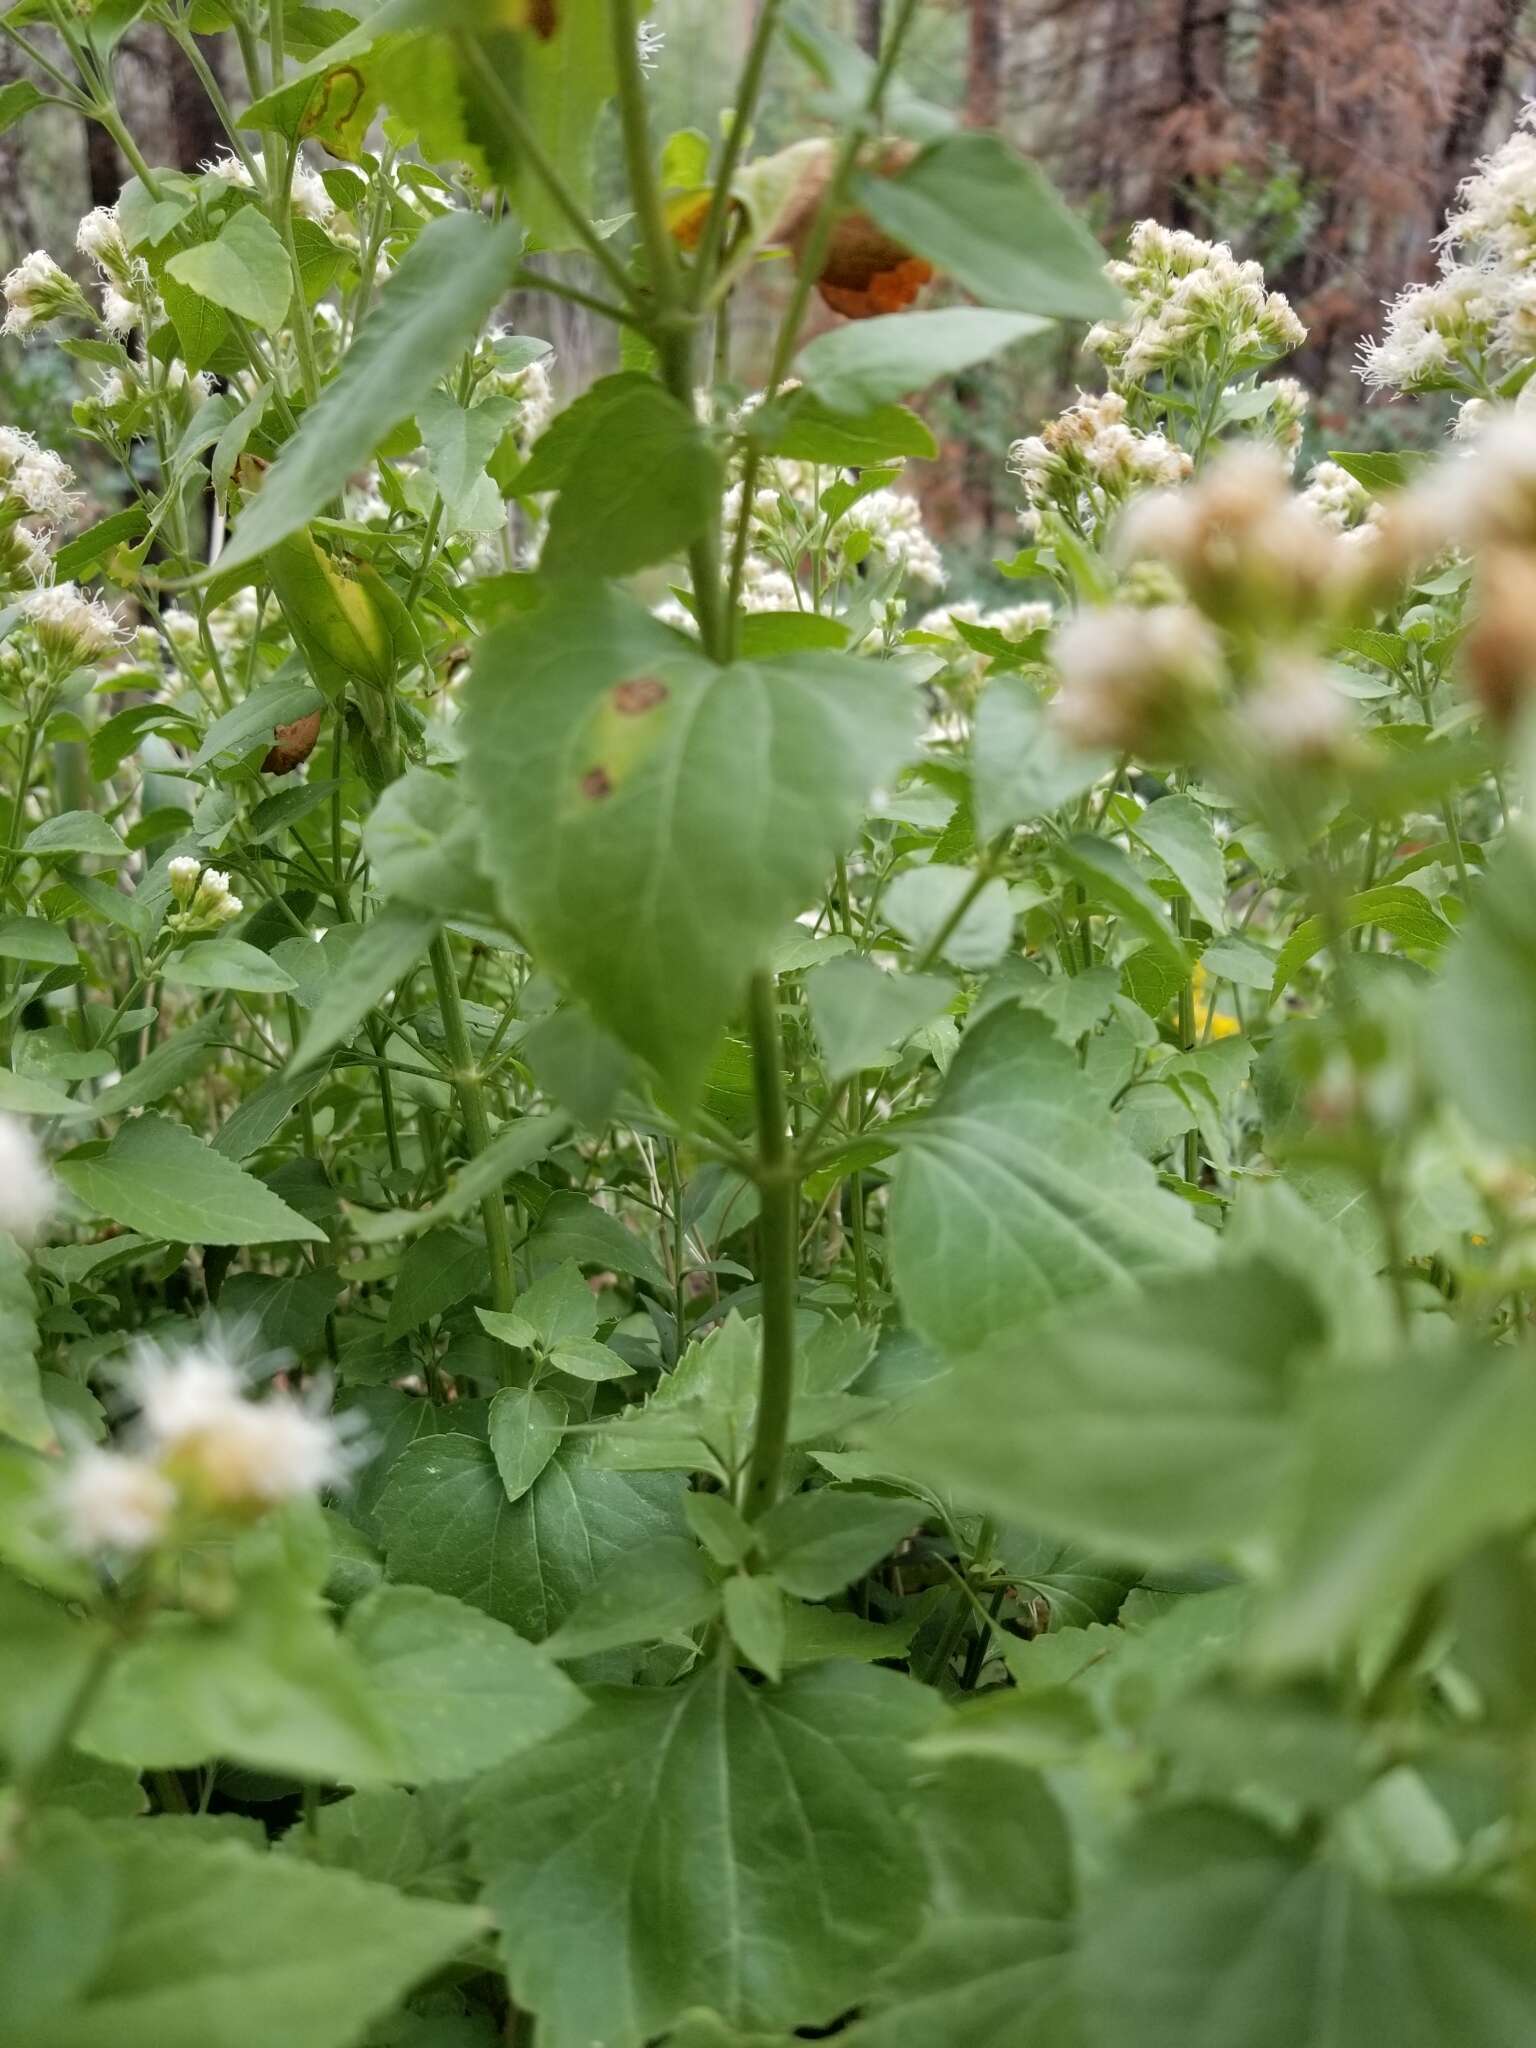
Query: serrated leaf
[244,269]
[816,1543]
[157,1177]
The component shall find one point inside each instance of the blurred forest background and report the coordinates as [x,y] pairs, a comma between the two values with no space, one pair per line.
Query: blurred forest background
[1324,137]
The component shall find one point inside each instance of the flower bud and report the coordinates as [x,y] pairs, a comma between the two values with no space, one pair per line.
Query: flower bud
[37,291]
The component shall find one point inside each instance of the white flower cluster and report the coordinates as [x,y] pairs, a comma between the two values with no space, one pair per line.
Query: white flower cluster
[1132,678]
[127,294]
[1191,300]
[1013,621]
[70,629]
[311,201]
[203,896]
[1478,317]
[37,291]
[1339,500]
[26,1187]
[200,1446]
[1087,461]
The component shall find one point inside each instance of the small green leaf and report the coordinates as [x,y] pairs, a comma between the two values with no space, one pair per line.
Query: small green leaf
[863,1015]
[244,269]
[22,1412]
[158,1178]
[526,1428]
[754,1614]
[1401,911]
[227,963]
[817,1543]
[1178,831]
[35,939]
[74,832]
[868,363]
[650,1595]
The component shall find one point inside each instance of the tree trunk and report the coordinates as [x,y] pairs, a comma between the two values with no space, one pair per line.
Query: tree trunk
[984,64]
[869,25]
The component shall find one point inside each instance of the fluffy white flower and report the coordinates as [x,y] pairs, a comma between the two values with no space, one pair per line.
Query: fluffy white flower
[203,894]
[225,1450]
[1088,460]
[70,627]
[1430,325]
[1295,716]
[1183,291]
[119,314]
[894,523]
[311,201]
[109,1501]
[27,1192]
[37,291]
[41,481]
[1130,678]
[1337,498]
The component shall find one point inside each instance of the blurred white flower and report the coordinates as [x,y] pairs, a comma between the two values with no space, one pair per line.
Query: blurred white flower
[1132,679]
[37,291]
[228,1452]
[27,1193]
[111,1501]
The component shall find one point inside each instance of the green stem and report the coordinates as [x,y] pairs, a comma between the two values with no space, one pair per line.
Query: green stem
[477,1122]
[634,120]
[778,1234]
[1181,919]
[748,91]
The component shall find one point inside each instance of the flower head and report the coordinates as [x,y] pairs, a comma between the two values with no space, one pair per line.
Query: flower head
[111,1501]
[27,1194]
[71,629]
[227,1453]
[204,898]
[1132,680]
[37,291]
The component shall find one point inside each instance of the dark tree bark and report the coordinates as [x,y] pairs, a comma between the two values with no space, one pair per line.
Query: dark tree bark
[984,64]
[869,24]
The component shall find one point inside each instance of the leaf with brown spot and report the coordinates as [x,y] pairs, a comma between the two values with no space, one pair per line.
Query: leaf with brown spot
[640,693]
[294,745]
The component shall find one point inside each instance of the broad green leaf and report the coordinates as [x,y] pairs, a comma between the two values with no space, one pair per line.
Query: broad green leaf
[74,832]
[460,440]
[1016,1191]
[57,1901]
[992,1964]
[244,269]
[286,1311]
[922,903]
[573,1228]
[1482,1016]
[16,99]
[649,1595]
[816,1543]
[1240,960]
[460,1691]
[1382,469]
[710,1844]
[1020,767]
[993,221]
[1155,1429]
[1179,832]
[272,1687]
[438,1271]
[1401,911]
[26,1095]
[652,820]
[22,1413]
[565,75]
[227,963]
[1209,1930]
[526,1428]
[863,1015]
[578,1064]
[637,476]
[390,945]
[157,1177]
[854,368]
[253,721]
[178,1060]
[430,309]
[212,1941]
[46,1655]
[35,939]
[1404,1470]
[445,1522]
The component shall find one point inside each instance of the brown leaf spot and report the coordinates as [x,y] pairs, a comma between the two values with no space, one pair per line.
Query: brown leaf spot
[640,693]
[596,784]
[544,18]
[295,744]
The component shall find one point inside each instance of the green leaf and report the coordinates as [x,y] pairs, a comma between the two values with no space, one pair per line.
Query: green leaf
[1404,1471]
[35,939]
[227,963]
[158,1178]
[867,363]
[389,946]
[863,1015]
[272,1687]
[78,557]
[993,222]
[803,429]
[526,1428]
[1107,875]
[1020,767]
[1016,1191]
[571,1227]
[22,1413]
[992,1965]
[432,307]
[16,99]
[649,1595]
[921,902]
[817,1543]
[565,75]
[438,1271]
[652,820]
[460,440]
[1401,911]
[74,832]
[577,1063]
[1210,1930]
[1382,469]
[710,1844]
[244,269]
[253,721]
[201,326]
[1240,960]
[211,1941]
[1179,832]
[1482,1017]
[25,1095]
[637,474]
[755,1616]
[460,1691]
[56,1912]
[446,1522]
[1156,1429]
[515,1147]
